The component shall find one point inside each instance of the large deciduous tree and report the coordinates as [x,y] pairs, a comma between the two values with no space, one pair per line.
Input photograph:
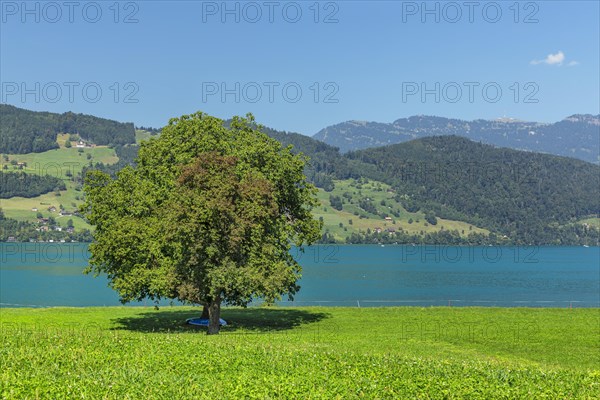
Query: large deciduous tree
[207,216]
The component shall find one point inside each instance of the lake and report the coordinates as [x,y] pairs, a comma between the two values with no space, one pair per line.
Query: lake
[50,274]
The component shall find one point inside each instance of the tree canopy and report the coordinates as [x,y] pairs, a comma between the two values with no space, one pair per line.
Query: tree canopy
[207,215]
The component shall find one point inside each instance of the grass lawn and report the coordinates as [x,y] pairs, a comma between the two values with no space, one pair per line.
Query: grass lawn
[403,352]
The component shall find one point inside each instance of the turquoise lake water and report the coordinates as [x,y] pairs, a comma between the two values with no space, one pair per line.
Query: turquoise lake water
[49,274]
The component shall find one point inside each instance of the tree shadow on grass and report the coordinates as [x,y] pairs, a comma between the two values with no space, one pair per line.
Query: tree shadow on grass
[246,320]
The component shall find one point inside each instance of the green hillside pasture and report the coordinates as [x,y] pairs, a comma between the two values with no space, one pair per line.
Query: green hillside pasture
[340,353]
[376,192]
[21,208]
[595,222]
[141,135]
[60,161]
[56,163]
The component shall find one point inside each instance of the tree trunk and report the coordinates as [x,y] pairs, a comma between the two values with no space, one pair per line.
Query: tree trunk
[204,312]
[214,312]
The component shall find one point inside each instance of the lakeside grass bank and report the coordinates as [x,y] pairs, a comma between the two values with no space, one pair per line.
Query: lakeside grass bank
[301,352]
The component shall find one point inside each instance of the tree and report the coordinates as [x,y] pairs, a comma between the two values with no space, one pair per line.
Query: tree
[430,217]
[207,216]
[336,202]
[68,144]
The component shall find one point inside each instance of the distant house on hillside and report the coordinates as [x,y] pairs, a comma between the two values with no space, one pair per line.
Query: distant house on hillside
[388,218]
[52,209]
[82,144]
[378,230]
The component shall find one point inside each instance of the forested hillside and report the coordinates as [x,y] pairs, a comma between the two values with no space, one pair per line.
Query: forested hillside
[325,161]
[526,196]
[24,131]
[13,184]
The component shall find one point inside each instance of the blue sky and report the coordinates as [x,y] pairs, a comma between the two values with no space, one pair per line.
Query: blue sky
[376,60]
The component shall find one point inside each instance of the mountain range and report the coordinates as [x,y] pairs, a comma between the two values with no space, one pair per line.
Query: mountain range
[577,136]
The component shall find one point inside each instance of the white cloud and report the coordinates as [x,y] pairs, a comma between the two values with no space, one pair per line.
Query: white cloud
[554,59]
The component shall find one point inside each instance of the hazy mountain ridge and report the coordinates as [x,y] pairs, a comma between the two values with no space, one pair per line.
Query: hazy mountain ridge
[576,136]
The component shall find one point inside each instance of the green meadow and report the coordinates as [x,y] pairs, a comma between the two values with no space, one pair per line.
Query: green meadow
[59,162]
[313,352]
